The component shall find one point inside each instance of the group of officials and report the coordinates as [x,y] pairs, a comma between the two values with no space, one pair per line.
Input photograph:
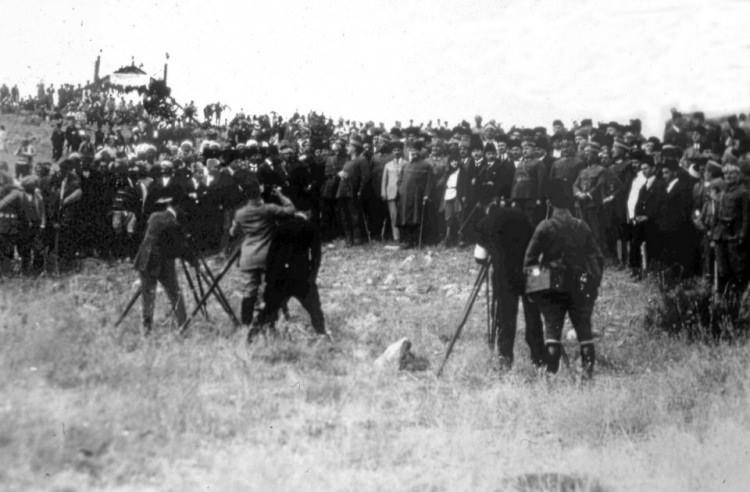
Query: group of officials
[676,205]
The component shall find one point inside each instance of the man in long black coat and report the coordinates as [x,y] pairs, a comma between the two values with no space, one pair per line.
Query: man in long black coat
[414,191]
[674,220]
[504,233]
[292,268]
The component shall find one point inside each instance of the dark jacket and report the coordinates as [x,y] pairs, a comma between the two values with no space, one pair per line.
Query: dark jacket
[528,181]
[676,209]
[733,214]
[356,175]
[416,184]
[504,233]
[650,199]
[566,241]
[499,181]
[162,243]
[294,253]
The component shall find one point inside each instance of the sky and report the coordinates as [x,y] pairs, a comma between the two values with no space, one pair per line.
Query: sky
[523,62]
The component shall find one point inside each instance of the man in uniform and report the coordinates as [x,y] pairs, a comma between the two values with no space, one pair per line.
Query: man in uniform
[255,221]
[567,245]
[504,233]
[528,183]
[291,271]
[13,220]
[355,176]
[588,190]
[162,243]
[731,232]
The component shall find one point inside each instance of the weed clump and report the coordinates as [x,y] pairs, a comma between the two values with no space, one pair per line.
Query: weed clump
[692,310]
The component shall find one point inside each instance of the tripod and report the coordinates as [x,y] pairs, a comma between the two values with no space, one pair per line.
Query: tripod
[482,278]
[201,275]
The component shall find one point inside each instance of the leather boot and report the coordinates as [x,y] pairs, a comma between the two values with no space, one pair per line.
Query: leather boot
[588,356]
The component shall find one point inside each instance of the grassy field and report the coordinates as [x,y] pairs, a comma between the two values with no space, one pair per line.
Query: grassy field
[84,405]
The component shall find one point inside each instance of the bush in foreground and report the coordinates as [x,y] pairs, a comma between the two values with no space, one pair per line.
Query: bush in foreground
[691,309]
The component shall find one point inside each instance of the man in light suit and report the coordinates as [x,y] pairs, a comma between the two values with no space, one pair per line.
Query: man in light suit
[390,183]
[256,221]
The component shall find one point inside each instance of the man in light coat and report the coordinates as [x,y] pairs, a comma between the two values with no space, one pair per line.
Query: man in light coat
[389,186]
[256,221]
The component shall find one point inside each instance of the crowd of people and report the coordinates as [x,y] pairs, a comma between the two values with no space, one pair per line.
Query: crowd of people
[676,203]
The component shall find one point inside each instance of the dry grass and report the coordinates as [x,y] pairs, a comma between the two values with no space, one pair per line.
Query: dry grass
[86,406]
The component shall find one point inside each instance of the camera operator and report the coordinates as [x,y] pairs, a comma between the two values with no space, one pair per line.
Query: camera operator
[505,232]
[291,271]
[162,243]
[255,221]
[567,245]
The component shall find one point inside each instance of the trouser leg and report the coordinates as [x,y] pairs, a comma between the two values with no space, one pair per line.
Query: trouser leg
[534,330]
[506,315]
[168,280]
[355,218]
[311,302]
[553,307]
[250,295]
[148,295]
[393,215]
[580,311]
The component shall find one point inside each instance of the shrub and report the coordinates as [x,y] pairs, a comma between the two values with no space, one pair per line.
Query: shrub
[691,309]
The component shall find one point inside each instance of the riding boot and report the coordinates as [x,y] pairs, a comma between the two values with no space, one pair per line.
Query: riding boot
[246,310]
[588,355]
[552,358]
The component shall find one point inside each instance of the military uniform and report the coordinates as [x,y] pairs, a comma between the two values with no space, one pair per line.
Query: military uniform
[588,190]
[12,223]
[527,191]
[730,235]
[567,243]
[505,232]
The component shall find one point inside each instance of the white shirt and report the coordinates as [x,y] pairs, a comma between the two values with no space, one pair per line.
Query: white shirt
[635,188]
[671,184]
[450,185]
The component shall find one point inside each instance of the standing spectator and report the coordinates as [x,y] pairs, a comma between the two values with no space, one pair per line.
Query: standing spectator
[413,193]
[58,141]
[390,184]
[675,225]
[72,136]
[731,232]
[353,176]
[644,203]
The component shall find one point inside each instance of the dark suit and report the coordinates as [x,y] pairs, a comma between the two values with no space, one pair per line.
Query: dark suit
[499,181]
[676,229]
[648,205]
[162,243]
[505,232]
[356,176]
[292,268]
